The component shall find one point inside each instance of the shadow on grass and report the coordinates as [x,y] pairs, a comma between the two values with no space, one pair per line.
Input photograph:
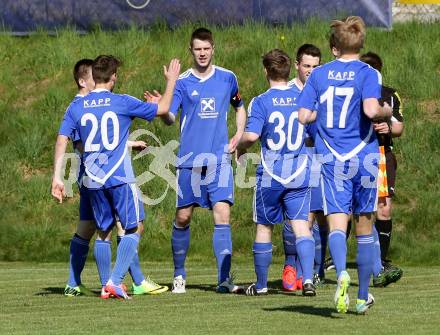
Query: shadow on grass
[60,291]
[325,312]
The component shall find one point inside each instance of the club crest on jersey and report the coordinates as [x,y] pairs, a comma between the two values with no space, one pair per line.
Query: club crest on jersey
[207,108]
[283,101]
[345,75]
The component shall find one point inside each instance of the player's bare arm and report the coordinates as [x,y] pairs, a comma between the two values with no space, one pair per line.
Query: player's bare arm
[241,123]
[57,183]
[171,75]
[306,116]
[373,110]
[246,141]
[154,97]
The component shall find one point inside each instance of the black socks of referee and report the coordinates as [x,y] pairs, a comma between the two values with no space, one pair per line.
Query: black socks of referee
[384,228]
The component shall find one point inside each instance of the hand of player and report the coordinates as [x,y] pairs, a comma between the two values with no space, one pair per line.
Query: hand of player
[239,155]
[381,128]
[137,145]
[173,70]
[152,97]
[58,189]
[232,146]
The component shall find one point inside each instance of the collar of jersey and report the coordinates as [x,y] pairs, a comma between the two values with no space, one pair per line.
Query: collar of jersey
[346,60]
[201,80]
[99,90]
[79,96]
[293,83]
[280,87]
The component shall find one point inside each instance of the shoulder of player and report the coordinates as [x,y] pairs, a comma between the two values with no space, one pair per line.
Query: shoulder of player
[225,72]
[185,74]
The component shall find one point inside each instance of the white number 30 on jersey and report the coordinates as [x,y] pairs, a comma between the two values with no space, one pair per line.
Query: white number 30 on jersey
[106,117]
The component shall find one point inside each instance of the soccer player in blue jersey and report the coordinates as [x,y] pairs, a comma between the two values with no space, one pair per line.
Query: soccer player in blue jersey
[308,57]
[347,92]
[102,120]
[79,244]
[282,190]
[205,179]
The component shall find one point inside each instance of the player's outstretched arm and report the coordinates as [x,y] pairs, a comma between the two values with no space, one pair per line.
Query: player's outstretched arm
[154,97]
[241,124]
[306,116]
[246,141]
[171,75]
[57,183]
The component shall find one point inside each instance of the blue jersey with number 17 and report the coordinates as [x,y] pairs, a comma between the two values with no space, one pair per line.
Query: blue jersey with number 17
[339,88]
[102,119]
[274,116]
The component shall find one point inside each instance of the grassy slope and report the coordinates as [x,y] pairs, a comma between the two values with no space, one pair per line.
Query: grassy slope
[36,86]
[32,303]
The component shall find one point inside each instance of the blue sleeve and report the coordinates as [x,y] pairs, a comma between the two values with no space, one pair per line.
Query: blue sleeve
[309,95]
[372,85]
[177,98]
[140,109]
[68,126]
[235,95]
[256,117]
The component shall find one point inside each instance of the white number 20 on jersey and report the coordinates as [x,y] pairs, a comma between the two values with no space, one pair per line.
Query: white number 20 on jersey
[279,118]
[106,117]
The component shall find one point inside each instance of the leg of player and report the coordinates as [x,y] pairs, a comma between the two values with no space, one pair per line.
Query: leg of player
[305,247]
[364,258]
[126,250]
[103,258]
[338,251]
[262,250]
[180,238]
[384,228]
[79,249]
[141,285]
[323,238]
[289,278]
[222,245]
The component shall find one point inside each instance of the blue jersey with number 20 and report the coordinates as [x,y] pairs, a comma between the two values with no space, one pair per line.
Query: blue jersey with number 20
[102,119]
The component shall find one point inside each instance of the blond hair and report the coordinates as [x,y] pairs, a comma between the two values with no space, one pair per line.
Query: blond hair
[347,35]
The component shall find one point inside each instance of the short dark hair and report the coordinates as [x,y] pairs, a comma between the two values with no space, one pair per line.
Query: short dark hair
[104,66]
[202,34]
[373,60]
[277,64]
[308,49]
[81,69]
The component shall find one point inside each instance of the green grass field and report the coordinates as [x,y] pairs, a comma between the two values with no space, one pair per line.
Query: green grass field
[32,302]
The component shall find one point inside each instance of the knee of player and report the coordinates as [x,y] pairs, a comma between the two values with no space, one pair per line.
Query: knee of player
[182,220]
[86,229]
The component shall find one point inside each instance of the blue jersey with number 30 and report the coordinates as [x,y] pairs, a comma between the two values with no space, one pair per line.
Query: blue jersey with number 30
[102,119]
[273,115]
[339,88]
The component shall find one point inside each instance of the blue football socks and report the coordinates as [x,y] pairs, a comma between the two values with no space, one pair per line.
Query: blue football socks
[126,250]
[305,246]
[103,258]
[365,260]
[262,260]
[289,244]
[135,268]
[338,250]
[222,245]
[79,248]
[179,245]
